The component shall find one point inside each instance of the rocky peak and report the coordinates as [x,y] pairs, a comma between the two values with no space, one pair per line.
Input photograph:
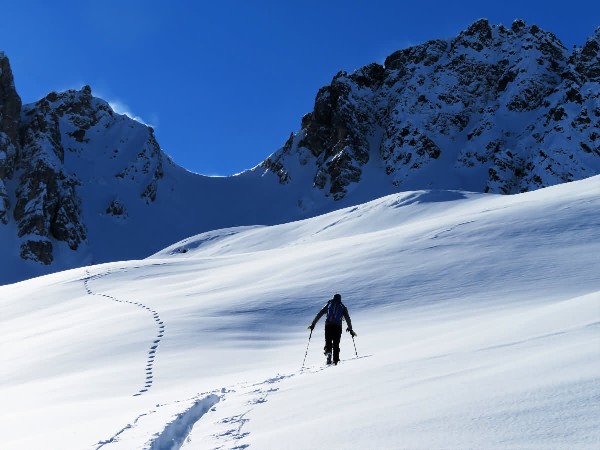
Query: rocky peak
[477,36]
[427,54]
[10,102]
[10,110]
[503,102]
[55,133]
[334,134]
[47,206]
[75,102]
[78,107]
[587,59]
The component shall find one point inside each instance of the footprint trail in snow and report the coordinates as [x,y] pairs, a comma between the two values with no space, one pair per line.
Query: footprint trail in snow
[149,375]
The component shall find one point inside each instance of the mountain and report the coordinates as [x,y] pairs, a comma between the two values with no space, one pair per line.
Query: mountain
[495,109]
[81,184]
[478,321]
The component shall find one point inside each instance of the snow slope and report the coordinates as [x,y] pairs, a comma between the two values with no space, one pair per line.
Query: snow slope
[478,318]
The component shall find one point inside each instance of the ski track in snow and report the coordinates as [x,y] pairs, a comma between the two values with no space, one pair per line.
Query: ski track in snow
[177,431]
[160,325]
[178,427]
[227,432]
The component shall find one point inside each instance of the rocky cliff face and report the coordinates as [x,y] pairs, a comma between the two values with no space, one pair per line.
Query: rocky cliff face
[35,142]
[494,109]
[10,111]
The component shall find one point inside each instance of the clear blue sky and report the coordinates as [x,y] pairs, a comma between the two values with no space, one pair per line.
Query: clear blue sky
[225,82]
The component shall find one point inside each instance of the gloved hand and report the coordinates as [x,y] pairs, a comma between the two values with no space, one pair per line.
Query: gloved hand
[352,333]
[311,327]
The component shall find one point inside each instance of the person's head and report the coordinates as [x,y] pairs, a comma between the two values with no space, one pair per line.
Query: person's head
[337,297]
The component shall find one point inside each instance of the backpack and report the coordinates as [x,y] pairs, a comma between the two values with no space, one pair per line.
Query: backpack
[335,312]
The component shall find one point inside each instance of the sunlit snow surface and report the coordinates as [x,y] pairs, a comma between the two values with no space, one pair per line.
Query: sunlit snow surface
[478,320]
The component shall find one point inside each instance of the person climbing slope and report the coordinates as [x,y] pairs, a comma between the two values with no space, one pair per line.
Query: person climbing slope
[336,312]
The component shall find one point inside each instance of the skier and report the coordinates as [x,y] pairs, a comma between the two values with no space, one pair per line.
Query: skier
[336,312]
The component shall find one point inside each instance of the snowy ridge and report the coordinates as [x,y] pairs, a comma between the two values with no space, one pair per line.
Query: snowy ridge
[479,314]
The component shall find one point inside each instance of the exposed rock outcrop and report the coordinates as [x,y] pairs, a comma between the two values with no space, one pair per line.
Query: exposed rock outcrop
[71,125]
[10,110]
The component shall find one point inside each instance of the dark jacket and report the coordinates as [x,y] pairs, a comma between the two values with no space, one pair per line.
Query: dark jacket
[323,311]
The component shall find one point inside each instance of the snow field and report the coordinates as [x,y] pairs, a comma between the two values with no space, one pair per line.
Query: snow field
[478,319]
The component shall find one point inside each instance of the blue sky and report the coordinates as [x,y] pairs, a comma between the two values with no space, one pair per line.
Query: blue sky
[224,83]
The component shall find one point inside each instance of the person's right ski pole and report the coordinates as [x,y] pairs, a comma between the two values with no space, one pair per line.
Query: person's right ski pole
[309,336]
[354,346]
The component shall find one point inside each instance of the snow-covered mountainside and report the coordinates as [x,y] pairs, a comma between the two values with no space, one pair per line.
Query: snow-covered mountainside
[496,109]
[80,184]
[478,321]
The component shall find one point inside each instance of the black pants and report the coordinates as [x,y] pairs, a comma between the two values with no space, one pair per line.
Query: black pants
[333,334]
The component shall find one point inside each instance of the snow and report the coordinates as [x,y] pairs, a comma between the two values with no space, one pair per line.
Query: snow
[478,321]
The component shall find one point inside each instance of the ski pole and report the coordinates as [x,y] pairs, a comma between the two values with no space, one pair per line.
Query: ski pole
[354,346]
[309,336]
